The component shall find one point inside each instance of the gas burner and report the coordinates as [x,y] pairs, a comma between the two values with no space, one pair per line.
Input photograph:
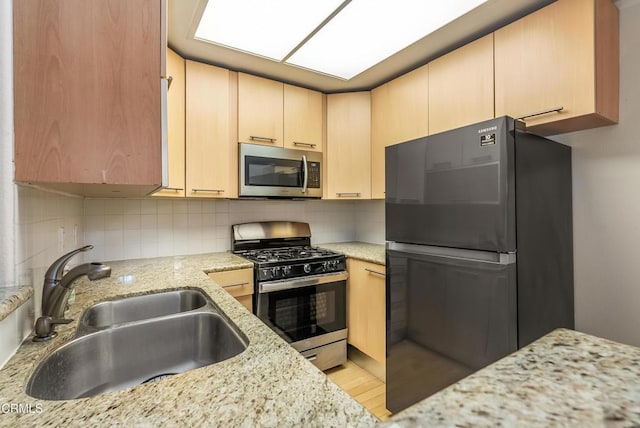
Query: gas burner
[296,254]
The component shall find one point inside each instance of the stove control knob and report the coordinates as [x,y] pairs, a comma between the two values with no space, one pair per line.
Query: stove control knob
[286,270]
[307,268]
[264,274]
[275,271]
[326,266]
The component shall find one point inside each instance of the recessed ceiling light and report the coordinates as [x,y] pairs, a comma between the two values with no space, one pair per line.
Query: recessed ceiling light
[270,29]
[366,32]
[358,35]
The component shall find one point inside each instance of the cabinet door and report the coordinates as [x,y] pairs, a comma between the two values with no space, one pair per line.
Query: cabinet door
[461,86]
[366,314]
[348,153]
[212,148]
[303,118]
[260,110]
[88,95]
[564,55]
[238,283]
[175,126]
[399,112]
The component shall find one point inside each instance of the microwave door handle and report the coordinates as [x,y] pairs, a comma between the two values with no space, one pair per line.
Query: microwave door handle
[305,174]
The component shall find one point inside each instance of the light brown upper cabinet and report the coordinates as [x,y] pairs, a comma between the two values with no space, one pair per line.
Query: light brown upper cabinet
[260,110]
[461,86]
[348,150]
[303,112]
[175,125]
[399,112]
[564,55]
[211,131]
[89,95]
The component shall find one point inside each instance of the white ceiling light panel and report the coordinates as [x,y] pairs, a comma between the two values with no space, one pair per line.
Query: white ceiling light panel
[268,28]
[366,32]
[362,34]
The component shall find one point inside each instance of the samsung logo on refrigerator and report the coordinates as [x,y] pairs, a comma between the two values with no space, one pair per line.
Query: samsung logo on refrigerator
[483,130]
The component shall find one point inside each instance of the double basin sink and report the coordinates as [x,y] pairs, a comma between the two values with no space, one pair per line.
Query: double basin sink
[135,340]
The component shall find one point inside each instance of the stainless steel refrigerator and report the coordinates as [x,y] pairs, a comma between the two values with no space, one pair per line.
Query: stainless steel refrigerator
[479,252]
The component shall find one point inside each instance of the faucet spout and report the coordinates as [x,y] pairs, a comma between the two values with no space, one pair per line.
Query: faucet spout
[58,298]
[56,290]
[54,274]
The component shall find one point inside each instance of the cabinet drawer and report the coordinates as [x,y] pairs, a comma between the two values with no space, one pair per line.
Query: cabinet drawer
[235,282]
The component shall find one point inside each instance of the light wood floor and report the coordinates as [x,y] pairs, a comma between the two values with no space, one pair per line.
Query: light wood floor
[364,387]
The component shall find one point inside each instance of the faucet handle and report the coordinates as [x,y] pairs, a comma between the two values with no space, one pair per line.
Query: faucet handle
[54,273]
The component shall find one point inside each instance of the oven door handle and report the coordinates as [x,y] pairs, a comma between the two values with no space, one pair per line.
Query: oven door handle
[307,281]
[305,179]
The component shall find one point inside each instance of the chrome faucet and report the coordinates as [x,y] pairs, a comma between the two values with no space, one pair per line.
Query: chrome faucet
[56,290]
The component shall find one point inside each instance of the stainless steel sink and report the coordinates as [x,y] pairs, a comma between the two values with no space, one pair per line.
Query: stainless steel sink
[137,352]
[137,308]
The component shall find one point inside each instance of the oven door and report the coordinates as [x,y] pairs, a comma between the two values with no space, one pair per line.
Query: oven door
[307,312]
[279,172]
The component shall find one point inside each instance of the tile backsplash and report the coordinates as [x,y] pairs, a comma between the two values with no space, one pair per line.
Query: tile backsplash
[369,221]
[47,226]
[141,228]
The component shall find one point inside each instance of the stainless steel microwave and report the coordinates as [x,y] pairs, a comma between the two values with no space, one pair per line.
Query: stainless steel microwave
[276,172]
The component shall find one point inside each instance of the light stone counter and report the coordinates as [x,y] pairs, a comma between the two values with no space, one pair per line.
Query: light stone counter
[373,253]
[12,297]
[269,384]
[566,379]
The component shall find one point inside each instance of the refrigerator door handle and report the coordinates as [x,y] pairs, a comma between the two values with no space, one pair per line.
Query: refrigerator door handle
[455,253]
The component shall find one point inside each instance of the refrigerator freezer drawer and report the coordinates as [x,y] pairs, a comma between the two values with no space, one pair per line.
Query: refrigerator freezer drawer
[448,316]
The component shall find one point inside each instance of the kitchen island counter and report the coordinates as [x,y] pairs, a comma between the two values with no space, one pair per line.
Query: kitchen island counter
[269,384]
[565,378]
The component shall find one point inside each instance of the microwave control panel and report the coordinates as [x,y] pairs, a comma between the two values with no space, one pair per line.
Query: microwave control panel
[313,181]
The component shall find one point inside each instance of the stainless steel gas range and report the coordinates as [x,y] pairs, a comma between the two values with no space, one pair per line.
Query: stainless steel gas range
[300,290]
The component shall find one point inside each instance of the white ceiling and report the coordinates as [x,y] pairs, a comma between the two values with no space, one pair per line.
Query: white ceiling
[183,17]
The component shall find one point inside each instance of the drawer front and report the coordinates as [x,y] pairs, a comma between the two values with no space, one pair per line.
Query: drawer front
[327,356]
[235,282]
[373,269]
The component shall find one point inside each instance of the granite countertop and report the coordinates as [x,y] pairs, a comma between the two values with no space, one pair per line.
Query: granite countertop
[269,384]
[373,253]
[12,297]
[565,378]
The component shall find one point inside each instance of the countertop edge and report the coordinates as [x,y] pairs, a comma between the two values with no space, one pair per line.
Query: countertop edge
[11,298]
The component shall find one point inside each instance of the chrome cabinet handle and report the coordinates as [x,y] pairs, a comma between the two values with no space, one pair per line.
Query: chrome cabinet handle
[540,113]
[177,189]
[374,272]
[207,190]
[299,143]
[306,174]
[264,139]
[169,79]
[340,194]
[312,357]
[237,284]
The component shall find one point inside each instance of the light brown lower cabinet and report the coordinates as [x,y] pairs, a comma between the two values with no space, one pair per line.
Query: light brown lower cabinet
[238,283]
[366,308]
